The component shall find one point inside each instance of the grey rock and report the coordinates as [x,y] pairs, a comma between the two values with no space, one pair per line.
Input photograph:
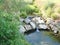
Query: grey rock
[27,20]
[22,29]
[28,27]
[33,25]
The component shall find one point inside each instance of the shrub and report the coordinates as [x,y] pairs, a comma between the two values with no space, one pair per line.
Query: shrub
[29,9]
[9,30]
[49,12]
[40,14]
[23,14]
[58,10]
[54,16]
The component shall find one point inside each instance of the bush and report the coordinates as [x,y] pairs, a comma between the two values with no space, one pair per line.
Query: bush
[54,16]
[9,30]
[29,9]
[58,10]
[23,14]
[49,12]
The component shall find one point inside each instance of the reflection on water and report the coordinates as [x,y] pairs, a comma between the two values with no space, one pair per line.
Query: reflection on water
[39,38]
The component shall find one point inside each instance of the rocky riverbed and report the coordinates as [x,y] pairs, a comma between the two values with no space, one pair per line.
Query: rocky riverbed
[32,23]
[39,37]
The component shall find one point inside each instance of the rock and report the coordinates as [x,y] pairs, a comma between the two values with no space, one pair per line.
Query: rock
[28,27]
[49,21]
[38,20]
[33,19]
[27,20]
[43,26]
[21,19]
[22,29]
[33,25]
[56,31]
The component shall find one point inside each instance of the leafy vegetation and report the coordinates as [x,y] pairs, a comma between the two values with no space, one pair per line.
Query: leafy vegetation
[9,30]
[29,9]
[9,22]
[54,16]
[23,14]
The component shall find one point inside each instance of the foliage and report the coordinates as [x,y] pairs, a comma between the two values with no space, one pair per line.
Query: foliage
[58,10]
[29,9]
[39,13]
[48,12]
[54,16]
[12,5]
[23,14]
[9,23]
[9,30]
[50,4]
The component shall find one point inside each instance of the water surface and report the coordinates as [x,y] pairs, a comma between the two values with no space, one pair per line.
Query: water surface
[40,38]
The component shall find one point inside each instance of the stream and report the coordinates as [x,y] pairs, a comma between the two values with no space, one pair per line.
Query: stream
[40,38]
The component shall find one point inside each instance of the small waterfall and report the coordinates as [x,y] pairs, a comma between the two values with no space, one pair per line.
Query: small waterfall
[37,29]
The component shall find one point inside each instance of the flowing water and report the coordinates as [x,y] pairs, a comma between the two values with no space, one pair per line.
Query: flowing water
[40,38]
